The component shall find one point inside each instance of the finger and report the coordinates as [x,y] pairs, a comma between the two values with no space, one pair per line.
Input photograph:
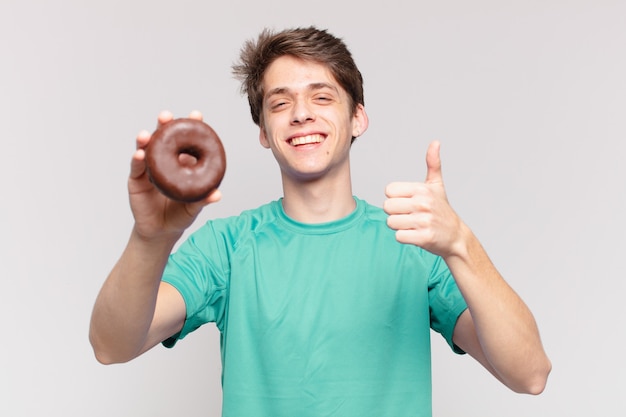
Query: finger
[410,229]
[420,237]
[433,163]
[142,140]
[402,221]
[137,164]
[214,197]
[408,205]
[401,189]
[196,115]
[164,117]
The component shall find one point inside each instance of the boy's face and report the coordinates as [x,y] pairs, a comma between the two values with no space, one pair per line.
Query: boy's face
[307,121]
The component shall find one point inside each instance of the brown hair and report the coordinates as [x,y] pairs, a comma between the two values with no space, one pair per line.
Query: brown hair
[305,43]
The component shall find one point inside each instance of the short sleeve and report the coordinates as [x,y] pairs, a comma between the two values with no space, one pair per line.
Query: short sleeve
[446,302]
[198,270]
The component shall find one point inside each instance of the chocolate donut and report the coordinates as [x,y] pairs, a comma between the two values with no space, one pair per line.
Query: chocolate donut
[185,160]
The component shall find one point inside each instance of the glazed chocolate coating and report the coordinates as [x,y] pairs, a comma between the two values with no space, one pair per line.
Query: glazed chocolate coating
[201,168]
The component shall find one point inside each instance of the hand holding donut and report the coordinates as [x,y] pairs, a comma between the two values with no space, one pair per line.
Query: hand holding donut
[420,212]
[159,203]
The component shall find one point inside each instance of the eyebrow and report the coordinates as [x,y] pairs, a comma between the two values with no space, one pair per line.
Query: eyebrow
[310,87]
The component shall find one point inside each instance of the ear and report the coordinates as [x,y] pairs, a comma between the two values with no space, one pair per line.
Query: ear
[360,121]
[263,138]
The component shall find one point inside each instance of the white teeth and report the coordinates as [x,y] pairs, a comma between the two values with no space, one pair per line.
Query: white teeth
[303,140]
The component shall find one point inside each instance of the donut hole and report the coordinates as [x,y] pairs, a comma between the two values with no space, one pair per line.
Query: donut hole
[189,157]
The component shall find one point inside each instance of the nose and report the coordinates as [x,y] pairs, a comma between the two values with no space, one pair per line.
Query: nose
[302,113]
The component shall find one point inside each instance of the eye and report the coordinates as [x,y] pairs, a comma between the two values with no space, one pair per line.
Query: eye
[323,98]
[277,105]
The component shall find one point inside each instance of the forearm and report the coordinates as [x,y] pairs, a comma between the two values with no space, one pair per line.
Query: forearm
[505,327]
[125,306]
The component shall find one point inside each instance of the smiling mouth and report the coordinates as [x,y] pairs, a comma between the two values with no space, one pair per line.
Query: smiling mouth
[305,140]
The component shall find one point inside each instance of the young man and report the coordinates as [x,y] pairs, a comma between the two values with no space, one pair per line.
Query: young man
[324,302]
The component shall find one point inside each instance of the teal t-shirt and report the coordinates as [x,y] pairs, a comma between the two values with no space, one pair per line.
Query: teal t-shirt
[316,320]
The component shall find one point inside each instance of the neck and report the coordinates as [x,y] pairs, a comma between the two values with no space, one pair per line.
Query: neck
[318,201]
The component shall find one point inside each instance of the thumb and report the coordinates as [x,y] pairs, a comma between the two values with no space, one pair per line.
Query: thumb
[433,163]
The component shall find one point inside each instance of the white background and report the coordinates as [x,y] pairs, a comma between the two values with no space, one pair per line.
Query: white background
[527,97]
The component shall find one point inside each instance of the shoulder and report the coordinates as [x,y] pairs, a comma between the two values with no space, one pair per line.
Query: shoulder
[372,212]
[248,219]
[374,218]
[233,228]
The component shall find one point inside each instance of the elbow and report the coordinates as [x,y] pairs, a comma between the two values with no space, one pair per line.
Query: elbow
[541,379]
[103,359]
[535,383]
[104,355]
[536,387]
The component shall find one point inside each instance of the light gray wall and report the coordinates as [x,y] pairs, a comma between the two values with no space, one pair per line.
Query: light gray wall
[527,97]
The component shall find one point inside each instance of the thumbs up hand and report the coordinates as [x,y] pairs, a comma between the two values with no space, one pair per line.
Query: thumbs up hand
[420,212]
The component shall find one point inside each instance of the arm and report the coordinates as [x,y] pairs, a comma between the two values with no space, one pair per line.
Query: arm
[134,310]
[497,329]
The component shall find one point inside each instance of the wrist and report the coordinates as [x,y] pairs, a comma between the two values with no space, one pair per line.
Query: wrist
[462,247]
[155,240]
